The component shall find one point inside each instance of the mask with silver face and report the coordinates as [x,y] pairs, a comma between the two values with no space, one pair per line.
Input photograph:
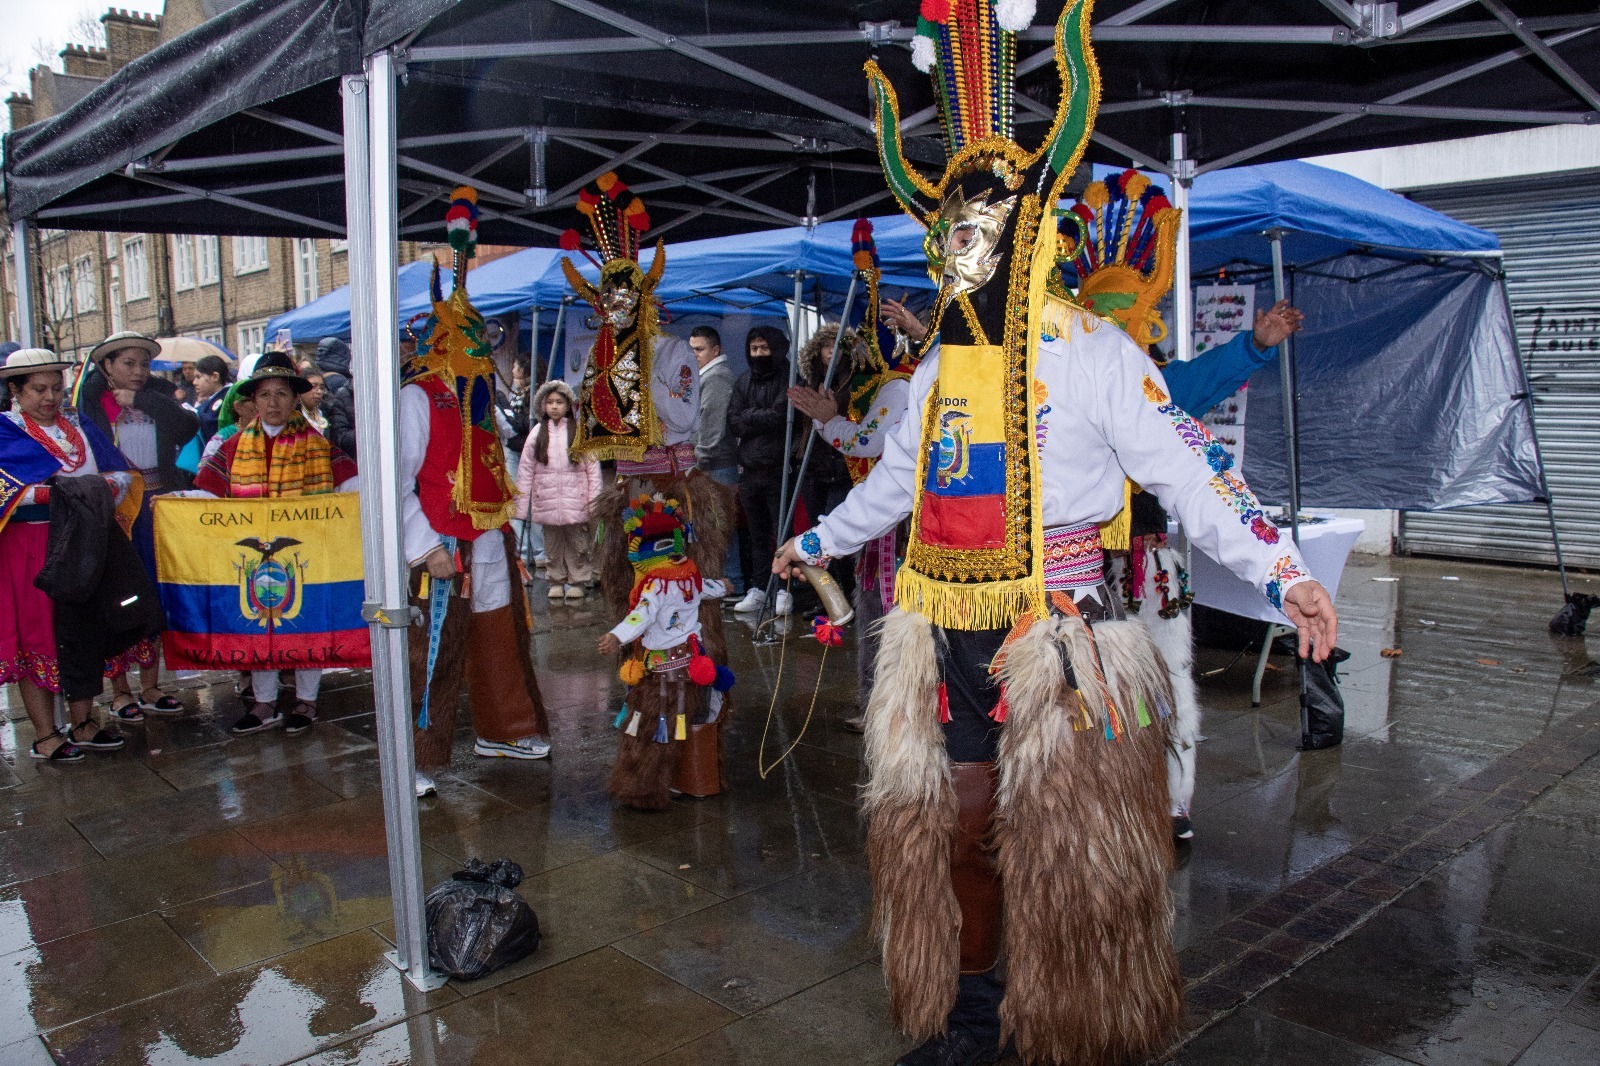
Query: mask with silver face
[619,305]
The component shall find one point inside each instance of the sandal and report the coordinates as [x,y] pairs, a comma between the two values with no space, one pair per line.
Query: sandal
[128,713]
[300,719]
[66,751]
[103,739]
[257,719]
[162,704]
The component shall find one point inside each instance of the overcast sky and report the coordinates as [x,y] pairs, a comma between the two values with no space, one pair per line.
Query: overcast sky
[30,21]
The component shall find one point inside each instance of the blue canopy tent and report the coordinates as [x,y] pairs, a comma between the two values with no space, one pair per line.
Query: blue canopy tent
[1408,389]
[329,315]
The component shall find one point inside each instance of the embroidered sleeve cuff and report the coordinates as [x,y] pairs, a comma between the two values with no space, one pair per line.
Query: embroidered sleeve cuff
[1286,573]
[810,548]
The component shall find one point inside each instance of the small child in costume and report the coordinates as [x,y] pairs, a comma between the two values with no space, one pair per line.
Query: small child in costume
[558,492]
[672,683]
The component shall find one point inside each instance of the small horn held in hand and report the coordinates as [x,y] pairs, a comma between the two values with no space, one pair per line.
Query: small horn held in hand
[840,613]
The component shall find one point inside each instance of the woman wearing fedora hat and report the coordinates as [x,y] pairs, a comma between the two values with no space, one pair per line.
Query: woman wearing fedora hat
[150,428]
[41,442]
[277,454]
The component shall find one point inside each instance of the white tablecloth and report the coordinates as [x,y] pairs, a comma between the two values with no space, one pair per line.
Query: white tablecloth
[1325,547]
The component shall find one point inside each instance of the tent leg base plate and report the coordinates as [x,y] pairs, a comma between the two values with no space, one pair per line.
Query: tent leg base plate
[427,981]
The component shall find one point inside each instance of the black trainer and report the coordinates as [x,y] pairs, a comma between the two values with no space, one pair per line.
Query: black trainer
[1182,828]
[955,1048]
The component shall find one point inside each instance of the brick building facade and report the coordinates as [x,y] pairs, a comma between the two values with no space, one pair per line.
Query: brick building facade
[90,285]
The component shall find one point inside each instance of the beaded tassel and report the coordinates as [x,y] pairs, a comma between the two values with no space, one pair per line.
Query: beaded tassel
[661,729]
[633,724]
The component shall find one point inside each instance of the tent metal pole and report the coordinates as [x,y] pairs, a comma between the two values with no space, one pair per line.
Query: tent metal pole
[22,269]
[371,207]
[556,337]
[827,382]
[1291,437]
[1182,171]
[1533,429]
[782,534]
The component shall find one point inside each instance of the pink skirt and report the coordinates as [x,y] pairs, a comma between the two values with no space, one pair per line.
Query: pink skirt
[27,617]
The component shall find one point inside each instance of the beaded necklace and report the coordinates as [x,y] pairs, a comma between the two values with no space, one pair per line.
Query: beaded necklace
[71,454]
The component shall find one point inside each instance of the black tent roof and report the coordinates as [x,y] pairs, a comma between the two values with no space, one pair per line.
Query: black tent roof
[731,116]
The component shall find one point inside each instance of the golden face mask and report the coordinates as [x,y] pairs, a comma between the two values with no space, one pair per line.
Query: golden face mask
[962,245]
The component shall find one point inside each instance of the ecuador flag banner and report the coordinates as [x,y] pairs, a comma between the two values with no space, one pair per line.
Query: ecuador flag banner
[262,584]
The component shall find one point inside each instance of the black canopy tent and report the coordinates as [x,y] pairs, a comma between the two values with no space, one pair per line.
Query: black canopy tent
[725,114]
[313,118]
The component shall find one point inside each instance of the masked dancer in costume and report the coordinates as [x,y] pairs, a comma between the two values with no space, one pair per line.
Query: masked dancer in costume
[856,425]
[1119,242]
[1017,803]
[639,404]
[456,501]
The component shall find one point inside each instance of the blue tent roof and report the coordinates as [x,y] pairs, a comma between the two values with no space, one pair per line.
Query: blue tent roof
[1322,213]
[329,316]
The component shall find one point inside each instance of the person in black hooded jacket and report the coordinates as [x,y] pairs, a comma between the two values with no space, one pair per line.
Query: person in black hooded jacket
[757,417]
[339,405]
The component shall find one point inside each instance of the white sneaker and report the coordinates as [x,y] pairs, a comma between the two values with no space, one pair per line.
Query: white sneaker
[753,601]
[574,592]
[784,605]
[526,748]
[425,785]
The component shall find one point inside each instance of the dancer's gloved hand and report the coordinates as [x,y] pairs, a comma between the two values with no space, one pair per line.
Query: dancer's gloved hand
[1310,608]
[787,562]
[609,644]
[441,567]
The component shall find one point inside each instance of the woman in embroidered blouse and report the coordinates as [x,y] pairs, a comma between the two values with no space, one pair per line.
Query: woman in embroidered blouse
[150,428]
[39,442]
[277,454]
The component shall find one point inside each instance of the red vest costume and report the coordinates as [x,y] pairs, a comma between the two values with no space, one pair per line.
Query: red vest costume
[437,478]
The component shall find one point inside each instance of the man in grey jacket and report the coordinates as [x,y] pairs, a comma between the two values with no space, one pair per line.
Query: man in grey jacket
[716,451]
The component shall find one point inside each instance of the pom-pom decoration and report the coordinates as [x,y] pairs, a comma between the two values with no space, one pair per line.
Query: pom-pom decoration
[571,241]
[702,671]
[616,216]
[1014,15]
[461,220]
[724,680]
[632,672]
[826,632]
[863,249]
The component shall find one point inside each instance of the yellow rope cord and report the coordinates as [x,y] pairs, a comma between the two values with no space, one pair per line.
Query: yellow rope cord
[762,767]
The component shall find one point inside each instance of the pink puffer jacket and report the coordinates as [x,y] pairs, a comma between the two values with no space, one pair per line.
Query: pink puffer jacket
[560,493]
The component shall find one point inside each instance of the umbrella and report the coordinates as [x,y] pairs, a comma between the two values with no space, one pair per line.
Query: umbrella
[191,350]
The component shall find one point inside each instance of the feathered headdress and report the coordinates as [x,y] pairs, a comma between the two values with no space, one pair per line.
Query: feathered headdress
[1120,239]
[617,418]
[975,558]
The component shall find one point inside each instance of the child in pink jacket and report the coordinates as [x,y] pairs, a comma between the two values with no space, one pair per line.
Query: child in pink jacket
[558,493]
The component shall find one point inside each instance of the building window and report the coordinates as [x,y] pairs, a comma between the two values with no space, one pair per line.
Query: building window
[61,292]
[252,338]
[207,260]
[249,254]
[136,272]
[182,262]
[214,336]
[111,245]
[114,296]
[339,244]
[305,271]
[85,290]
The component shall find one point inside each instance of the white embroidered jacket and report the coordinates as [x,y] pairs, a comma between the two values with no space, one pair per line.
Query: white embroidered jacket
[1102,412]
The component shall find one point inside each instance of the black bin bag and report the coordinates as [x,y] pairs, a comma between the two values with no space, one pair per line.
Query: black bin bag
[477,924]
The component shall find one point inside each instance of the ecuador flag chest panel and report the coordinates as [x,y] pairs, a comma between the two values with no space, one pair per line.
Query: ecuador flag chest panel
[262,584]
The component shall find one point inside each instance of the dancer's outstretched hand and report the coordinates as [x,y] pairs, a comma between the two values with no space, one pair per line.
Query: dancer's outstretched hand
[1310,608]
[609,644]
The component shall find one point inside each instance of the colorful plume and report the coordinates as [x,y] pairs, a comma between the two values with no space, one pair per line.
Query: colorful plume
[461,220]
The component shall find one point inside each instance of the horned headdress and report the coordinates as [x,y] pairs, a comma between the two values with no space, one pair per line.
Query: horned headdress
[975,557]
[617,419]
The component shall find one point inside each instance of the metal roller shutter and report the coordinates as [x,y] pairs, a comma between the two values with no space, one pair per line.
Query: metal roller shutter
[1549,229]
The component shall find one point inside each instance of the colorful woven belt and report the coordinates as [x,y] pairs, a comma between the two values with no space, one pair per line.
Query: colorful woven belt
[673,459]
[1073,558]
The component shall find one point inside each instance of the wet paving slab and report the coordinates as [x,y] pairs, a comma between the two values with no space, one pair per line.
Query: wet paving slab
[1421,895]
